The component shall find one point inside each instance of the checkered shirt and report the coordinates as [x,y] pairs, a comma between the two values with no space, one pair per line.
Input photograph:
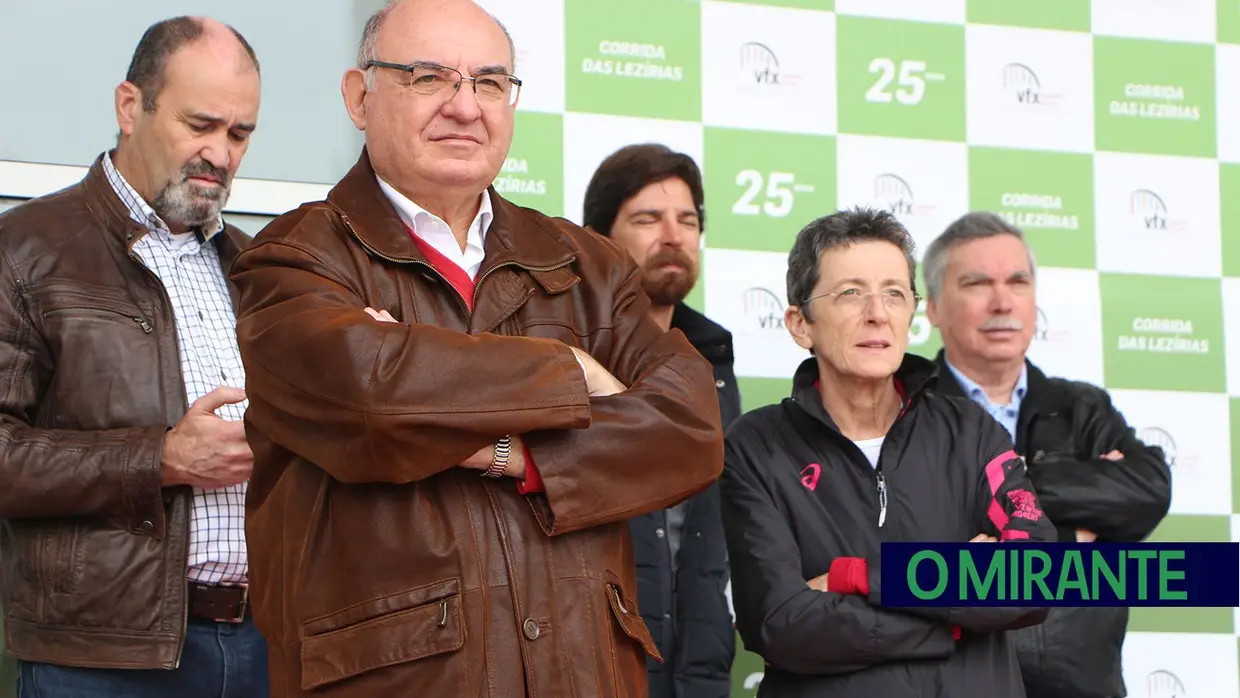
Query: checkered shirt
[189,268]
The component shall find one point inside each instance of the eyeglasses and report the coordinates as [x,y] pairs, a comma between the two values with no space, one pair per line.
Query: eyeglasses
[430,80]
[853,300]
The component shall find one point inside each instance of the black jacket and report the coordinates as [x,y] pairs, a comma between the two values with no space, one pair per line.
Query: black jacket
[687,611]
[1062,429]
[936,465]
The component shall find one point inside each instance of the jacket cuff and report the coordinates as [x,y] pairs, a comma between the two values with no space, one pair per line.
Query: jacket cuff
[533,480]
[849,575]
[142,482]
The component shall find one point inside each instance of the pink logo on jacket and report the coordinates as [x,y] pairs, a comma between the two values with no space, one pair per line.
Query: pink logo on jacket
[809,476]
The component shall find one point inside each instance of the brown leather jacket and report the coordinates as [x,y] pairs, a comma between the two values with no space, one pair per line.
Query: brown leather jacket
[93,552]
[381,568]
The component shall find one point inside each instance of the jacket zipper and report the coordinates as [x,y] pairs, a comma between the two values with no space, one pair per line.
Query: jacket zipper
[882,498]
[146,327]
[101,313]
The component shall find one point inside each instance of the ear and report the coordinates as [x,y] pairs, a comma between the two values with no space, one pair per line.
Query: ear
[932,313]
[353,89]
[798,327]
[128,102]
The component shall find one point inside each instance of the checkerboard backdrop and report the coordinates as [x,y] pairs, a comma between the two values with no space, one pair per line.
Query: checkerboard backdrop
[1108,130]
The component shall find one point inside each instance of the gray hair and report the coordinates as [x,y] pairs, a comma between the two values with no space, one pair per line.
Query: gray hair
[841,229]
[368,47]
[976,225]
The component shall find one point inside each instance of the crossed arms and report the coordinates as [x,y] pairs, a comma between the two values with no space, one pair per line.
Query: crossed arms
[400,402]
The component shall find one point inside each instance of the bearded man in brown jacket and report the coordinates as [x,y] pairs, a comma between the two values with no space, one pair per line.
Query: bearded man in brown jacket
[455,405]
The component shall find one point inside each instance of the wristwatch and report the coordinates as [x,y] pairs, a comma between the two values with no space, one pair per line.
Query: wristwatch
[499,461]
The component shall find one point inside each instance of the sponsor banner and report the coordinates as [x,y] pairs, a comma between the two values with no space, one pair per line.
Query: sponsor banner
[902,79]
[620,62]
[762,187]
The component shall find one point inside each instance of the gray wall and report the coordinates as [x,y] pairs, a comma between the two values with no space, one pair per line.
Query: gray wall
[60,109]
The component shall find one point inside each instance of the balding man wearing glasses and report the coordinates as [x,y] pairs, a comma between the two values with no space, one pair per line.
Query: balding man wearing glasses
[456,404]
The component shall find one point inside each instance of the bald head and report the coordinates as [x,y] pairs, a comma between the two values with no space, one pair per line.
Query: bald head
[368,49]
[217,41]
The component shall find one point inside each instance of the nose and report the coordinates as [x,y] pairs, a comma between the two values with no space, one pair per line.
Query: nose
[875,312]
[1001,300]
[463,105]
[672,233]
[217,150]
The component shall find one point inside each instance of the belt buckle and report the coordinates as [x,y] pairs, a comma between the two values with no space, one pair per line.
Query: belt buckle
[245,599]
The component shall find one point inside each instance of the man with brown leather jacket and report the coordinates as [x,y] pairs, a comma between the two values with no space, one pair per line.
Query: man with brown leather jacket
[456,405]
[121,489]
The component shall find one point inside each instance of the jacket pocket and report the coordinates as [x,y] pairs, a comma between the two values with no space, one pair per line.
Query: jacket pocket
[68,303]
[626,614]
[63,560]
[392,630]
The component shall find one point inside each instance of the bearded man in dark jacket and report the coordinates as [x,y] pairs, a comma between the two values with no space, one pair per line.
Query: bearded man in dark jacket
[648,198]
[1096,480]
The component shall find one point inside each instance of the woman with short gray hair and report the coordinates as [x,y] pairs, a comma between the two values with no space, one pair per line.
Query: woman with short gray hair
[860,454]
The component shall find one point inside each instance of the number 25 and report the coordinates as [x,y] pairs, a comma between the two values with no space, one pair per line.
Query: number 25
[779,196]
[912,85]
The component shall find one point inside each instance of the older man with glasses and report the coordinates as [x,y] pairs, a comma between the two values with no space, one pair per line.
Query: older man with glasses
[456,404]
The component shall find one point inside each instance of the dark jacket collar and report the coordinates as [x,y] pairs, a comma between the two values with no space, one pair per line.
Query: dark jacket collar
[375,222]
[1041,397]
[711,339]
[914,374]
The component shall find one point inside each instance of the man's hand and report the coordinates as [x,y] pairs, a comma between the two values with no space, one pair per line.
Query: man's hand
[1086,536]
[516,459]
[818,583]
[599,380]
[983,538]
[205,450]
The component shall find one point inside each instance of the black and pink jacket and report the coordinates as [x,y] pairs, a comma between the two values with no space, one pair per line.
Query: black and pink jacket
[800,499]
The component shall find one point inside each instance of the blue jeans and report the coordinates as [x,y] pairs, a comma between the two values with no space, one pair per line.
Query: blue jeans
[220,660]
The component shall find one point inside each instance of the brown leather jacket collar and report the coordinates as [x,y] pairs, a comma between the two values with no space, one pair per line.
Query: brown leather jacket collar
[103,202]
[375,222]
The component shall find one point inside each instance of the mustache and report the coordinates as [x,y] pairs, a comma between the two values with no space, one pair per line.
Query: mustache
[202,168]
[1002,322]
[670,256]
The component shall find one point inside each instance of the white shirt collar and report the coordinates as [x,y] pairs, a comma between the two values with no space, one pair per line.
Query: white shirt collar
[428,226]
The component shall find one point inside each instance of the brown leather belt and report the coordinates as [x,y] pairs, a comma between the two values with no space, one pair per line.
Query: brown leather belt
[219,603]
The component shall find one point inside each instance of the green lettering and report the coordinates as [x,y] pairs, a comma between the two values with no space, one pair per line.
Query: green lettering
[1165,575]
[912,575]
[1143,557]
[1038,577]
[1072,563]
[1098,563]
[969,576]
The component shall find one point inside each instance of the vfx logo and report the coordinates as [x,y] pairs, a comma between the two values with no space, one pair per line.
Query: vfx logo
[1157,436]
[893,193]
[1149,209]
[1164,684]
[764,306]
[759,64]
[1041,331]
[1020,80]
